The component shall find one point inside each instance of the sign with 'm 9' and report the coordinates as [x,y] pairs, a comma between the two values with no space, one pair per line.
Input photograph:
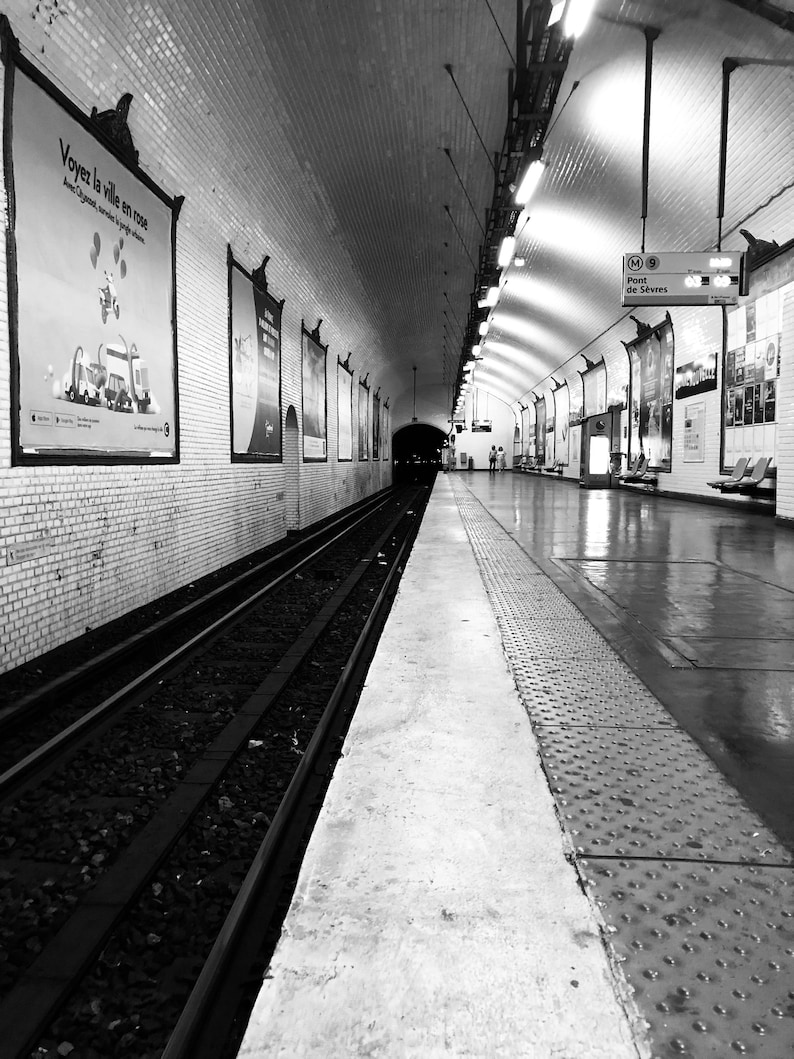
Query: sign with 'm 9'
[683,278]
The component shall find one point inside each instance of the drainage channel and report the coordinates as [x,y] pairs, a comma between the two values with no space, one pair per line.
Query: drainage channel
[695,893]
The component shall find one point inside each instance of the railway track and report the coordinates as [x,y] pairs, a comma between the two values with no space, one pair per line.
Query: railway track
[123,858]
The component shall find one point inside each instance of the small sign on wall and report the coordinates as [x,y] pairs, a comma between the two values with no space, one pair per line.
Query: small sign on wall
[694,433]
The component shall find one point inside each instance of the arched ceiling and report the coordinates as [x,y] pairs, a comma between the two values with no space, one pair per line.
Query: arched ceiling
[402,111]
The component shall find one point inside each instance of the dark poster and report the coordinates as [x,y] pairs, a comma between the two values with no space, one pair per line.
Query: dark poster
[91,289]
[363,422]
[540,431]
[255,332]
[375,427]
[654,354]
[698,376]
[315,434]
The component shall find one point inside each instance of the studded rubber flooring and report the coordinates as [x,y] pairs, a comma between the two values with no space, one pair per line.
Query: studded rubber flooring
[695,892]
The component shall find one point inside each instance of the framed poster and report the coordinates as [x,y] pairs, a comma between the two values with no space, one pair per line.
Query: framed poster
[90,253]
[254,366]
[651,356]
[375,427]
[694,433]
[344,409]
[386,429]
[315,400]
[363,421]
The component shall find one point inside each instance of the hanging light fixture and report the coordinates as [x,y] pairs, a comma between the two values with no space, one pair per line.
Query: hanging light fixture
[530,180]
[506,251]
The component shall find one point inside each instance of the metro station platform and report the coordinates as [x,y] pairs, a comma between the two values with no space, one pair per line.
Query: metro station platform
[562,825]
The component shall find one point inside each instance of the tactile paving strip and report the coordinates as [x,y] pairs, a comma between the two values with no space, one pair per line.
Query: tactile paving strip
[707,949]
[606,694]
[649,793]
[696,894]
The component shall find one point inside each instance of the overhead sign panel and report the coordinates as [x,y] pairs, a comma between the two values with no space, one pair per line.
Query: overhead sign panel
[683,279]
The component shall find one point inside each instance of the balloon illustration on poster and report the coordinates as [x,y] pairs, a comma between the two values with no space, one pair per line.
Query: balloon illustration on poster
[122,382]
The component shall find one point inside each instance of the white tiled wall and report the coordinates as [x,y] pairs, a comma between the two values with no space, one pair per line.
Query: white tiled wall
[102,540]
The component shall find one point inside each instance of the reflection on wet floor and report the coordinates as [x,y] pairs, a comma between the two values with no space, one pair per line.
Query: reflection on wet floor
[712,586]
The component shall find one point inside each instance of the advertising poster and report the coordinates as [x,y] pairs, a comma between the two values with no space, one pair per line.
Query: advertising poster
[344,405]
[95,372]
[385,433]
[698,376]
[375,427]
[255,368]
[363,422]
[652,360]
[315,434]
[694,433]
[561,427]
[540,431]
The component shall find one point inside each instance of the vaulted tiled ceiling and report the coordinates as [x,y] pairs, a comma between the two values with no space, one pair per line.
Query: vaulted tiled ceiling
[399,108]
[370,130]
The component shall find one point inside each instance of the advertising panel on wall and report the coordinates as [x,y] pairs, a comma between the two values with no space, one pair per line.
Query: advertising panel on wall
[540,431]
[344,406]
[651,356]
[594,384]
[254,366]
[375,427]
[696,376]
[561,425]
[90,255]
[363,421]
[752,370]
[385,433]
[315,403]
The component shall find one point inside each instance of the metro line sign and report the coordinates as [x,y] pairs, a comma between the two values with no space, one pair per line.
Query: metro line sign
[717,278]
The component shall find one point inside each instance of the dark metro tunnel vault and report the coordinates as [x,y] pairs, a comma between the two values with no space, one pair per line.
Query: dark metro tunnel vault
[418,451]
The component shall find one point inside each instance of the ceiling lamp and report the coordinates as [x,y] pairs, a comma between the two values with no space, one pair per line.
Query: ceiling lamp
[577,15]
[506,251]
[476,350]
[483,329]
[529,182]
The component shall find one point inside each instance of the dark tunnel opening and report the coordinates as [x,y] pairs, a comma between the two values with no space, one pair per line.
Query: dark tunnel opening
[418,452]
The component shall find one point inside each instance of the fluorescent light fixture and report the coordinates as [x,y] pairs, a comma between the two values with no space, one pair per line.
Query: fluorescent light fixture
[476,350]
[579,12]
[530,182]
[506,251]
[491,296]
[484,327]
[557,8]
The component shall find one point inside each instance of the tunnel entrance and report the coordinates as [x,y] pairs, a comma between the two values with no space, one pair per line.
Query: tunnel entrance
[418,451]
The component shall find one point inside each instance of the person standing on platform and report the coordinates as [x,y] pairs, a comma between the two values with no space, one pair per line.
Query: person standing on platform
[501,460]
[492,460]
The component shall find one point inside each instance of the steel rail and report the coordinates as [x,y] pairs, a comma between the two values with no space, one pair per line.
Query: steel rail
[26,767]
[14,715]
[44,986]
[182,1043]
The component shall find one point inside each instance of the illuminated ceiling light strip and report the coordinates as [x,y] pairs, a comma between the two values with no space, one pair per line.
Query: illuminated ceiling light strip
[529,182]
[483,329]
[506,251]
[577,17]
[557,8]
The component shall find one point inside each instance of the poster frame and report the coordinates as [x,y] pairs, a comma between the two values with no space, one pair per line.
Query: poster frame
[314,338]
[118,143]
[258,280]
[634,403]
[344,364]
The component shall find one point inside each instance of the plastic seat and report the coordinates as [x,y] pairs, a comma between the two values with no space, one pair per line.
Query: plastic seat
[639,470]
[744,485]
[738,472]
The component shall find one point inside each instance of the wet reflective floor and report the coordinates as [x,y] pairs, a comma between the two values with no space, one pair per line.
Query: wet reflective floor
[697,599]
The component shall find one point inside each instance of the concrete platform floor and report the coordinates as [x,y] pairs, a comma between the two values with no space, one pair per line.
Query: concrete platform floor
[438,911]
[589,883]
[697,599]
